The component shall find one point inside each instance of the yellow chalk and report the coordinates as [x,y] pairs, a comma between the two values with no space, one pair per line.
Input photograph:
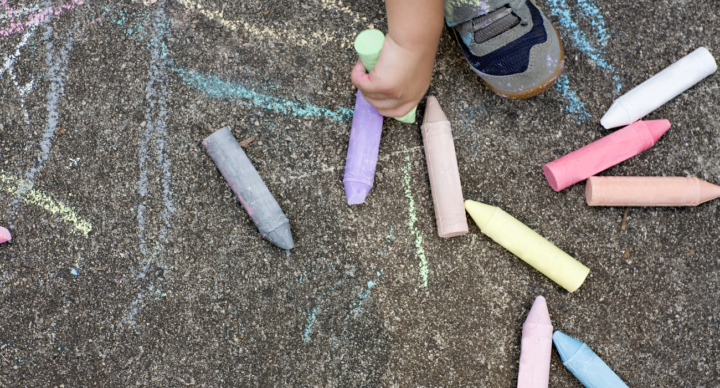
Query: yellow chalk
[529,246]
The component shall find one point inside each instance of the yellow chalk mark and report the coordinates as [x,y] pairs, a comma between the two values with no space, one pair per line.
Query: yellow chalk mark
[13,185]
[287,34]
[337,5]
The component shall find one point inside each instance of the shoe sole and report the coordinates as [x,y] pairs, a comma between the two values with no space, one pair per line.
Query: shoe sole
[535,90]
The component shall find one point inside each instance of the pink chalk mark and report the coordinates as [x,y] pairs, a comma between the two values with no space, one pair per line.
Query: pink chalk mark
[4,235]
[34,17]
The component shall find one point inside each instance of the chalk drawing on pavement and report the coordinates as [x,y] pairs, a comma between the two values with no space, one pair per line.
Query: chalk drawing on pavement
[11,185]
[214,87]
[412,221]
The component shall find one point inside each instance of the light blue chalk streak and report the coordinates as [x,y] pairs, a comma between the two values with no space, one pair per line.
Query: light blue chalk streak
[364,295]
[596,20]
[316,309]
[561,9]
[310,323]
[575,106]
[215,87]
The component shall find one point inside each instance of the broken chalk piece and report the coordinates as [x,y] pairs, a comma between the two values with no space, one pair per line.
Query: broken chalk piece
[443,171]
[604,153]
[587,367]
[249,187]
[4,235]
[529,246]
[660,88]
[536,347]
[648,191]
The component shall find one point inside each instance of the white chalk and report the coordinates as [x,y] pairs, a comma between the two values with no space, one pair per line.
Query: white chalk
[660,88]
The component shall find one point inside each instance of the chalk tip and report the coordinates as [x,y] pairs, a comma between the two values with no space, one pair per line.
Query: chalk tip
[657,128]
[480,212]
[356,192]
[708,191]
[566,346]
[409,118]
[282,237]
[433,111]
[616,116]
[539,312]
[4,235]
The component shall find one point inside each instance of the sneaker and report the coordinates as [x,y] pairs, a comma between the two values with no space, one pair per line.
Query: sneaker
[511,45]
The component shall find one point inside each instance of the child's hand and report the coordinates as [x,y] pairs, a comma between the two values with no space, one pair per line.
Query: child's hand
[400,78]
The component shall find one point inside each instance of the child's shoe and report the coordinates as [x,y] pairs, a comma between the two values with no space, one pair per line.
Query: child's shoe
[511,45]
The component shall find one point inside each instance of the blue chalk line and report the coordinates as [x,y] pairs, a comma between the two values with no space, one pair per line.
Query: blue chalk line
[595,18]
[215,87]
[575,106]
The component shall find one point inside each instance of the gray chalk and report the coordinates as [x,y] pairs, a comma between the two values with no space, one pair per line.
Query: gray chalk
[249,188]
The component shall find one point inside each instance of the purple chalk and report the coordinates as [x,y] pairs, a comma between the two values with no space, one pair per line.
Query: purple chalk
[363,151]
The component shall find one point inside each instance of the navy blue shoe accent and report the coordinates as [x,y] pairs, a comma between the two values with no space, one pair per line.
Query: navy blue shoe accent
[514,57]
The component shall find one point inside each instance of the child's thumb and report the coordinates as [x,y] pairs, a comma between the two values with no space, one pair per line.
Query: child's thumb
[360,78]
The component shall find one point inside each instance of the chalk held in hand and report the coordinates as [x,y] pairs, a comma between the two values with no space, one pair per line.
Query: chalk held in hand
[249,188]
[368,45]
[579,359]
[366,129]
[443,171]
[604,153]
[529,246]
[363,150]
[660,88]
[4,235]
[536,347]
[648,191]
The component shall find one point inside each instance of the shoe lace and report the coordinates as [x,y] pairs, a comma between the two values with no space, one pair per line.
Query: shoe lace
[494,23]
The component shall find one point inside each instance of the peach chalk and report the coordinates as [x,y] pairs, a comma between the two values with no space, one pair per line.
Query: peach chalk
[648,191]
[443,170]
[4,235]
[604,153]
[536,347]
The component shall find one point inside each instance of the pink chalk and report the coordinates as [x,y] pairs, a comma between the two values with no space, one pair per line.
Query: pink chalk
[4,235]
[536,347]
[604,153]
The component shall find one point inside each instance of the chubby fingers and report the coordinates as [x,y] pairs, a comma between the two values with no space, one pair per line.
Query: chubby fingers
[380,95]
[398,110]
[359,76]
[370,84]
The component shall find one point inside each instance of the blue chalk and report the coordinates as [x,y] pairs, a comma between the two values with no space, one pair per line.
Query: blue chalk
[74,272]
[585,364]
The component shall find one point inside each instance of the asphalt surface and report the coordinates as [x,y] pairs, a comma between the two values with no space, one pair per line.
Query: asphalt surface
[133,264]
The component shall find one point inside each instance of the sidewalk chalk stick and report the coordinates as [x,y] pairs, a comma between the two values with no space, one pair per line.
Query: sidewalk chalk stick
[604,153]
[536,347]
[249,188]
[529,246]
[660,88]
[587,367]
[648,191]
[443,171]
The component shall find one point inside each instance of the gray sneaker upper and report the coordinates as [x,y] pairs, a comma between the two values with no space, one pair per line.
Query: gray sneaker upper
[460,11]
[486,27]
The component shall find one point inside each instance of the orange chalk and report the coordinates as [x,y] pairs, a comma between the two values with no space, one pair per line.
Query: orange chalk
[443,170]
[648,191]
